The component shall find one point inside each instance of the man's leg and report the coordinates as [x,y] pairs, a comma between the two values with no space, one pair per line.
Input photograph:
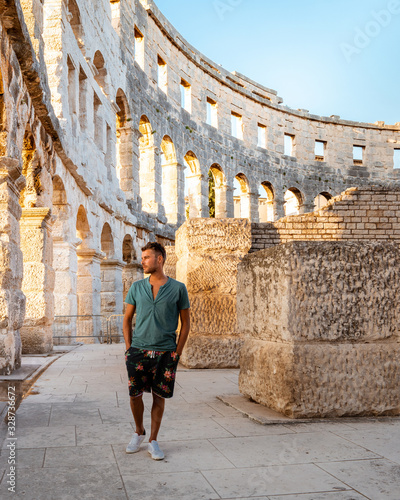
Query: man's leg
[157,411]
[137,408]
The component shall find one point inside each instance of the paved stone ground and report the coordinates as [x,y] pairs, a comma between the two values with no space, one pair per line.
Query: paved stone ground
[73,428]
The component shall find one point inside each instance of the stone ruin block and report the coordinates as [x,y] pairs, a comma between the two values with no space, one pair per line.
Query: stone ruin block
[321,326]
[208,252]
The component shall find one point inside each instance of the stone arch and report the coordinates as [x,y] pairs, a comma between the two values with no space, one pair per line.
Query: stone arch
[107,241]
[169,184]
[241,196]
[36,245]
[147,167]
[293,201]
[124,145]
[111,275]
[59,193]
[133,270]
[31,170]
[75,22]
[147,139]
[59,208]
[193,186]
[82,226]
[128,250]
[101,73]
[266,202]
[321,200]
[64,262]
[219,185]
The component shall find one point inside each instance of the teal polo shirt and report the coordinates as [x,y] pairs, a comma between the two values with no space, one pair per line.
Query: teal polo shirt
[157,320]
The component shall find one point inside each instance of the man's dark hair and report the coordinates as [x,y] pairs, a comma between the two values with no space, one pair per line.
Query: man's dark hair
[157,248]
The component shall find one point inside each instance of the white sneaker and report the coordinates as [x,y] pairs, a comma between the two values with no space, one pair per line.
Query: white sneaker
[154,450]
[135,442]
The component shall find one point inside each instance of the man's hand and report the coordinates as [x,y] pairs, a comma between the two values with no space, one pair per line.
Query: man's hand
[127,325]
[185,328]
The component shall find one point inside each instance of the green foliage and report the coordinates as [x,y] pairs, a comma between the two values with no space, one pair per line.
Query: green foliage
[211,194]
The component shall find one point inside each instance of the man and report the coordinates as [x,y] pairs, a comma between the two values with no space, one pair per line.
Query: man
[152,351]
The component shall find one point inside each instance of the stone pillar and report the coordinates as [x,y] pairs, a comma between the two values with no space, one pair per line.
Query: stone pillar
[230,206]
[306,208]
[130,273]
[249,206]
[125,161]
[181,194]
[88,293]
[279,209]
[111,286]
[170,191]
[38,282]
[65,266]
[195,195]
[321,327]
[208,252]
[149,183]
[12,300]
[220,201]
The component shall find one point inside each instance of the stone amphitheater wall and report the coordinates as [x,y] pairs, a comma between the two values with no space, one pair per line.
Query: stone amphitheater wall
[97,154]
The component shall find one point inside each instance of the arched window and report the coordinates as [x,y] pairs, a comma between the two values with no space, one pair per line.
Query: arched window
[101,75]
[169,184]
[321,200]
[192,186]
[293,201]
[31,170]
[124,145]
[75,22]
[266,202]
[147,169]
[128,250]
[107,241]
[217,192]
[82,225]
[241,197]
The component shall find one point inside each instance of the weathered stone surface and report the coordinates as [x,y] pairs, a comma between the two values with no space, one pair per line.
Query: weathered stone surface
[208,351]
[321,322]
[324,292]
[322,380]
[209,251]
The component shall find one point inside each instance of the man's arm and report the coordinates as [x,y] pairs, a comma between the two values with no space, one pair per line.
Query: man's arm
[127,324]
[185,327]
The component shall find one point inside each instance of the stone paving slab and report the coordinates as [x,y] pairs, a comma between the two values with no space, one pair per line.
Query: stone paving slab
[71,443]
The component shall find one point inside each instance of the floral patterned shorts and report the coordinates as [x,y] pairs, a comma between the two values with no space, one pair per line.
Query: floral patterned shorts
[151,371]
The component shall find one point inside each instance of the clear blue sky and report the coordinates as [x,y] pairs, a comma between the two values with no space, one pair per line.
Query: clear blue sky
[337,57]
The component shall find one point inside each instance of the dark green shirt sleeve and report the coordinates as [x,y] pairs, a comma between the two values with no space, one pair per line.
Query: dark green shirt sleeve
[183,302]
[130,298]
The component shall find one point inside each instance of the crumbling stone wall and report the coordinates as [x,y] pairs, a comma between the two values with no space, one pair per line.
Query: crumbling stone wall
[208,253]
[366,213]
[321,327]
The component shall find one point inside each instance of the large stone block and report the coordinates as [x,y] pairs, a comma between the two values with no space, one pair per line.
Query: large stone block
[321,291]
[321,322]
[209,251]
[322,380]
[208,351]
